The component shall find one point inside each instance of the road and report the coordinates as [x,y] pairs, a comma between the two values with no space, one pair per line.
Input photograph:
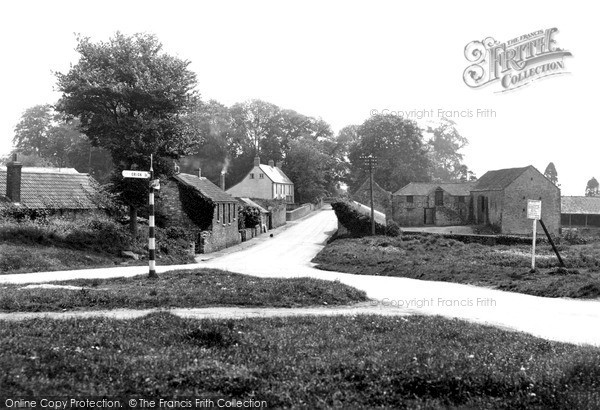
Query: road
[289,253]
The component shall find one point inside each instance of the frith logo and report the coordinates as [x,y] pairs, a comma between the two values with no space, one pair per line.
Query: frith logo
[514,63]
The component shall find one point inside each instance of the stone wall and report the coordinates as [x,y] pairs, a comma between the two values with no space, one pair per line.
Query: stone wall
[453,212]
[530,185]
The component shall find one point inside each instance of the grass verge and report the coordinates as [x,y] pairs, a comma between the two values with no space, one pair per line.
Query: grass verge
[186,289]
[92,241]
[432,257]
[308,362]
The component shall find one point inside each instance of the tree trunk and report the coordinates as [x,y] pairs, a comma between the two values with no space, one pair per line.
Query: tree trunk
[133,225]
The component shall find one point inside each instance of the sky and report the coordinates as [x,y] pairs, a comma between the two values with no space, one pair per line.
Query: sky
[341,61]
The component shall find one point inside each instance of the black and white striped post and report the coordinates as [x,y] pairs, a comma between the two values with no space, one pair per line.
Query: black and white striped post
[151,234]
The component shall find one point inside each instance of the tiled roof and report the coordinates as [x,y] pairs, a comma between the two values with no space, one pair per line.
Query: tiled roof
[53,189]
[249,202]
[580,205]
[206,188]
[499,179]
[275,174]
[425,188]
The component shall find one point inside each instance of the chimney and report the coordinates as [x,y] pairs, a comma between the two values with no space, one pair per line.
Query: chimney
[279,163]
[256,161]
[199,172]
[271,163]
[13,179]
[222,181]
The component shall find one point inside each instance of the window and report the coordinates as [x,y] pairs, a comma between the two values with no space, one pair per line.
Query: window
[261,176]
[410,199]
[461,199]
[228,213]
[251,175]
[218,212]
[439,198]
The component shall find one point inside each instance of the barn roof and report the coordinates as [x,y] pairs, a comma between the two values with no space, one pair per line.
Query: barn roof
[589,205]
[53,188]
[205,188]
[424,188]
[499,179]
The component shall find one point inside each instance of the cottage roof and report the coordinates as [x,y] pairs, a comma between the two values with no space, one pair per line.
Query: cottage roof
[275,174]
[205,188]
[499,179]
[249,202]
[589,205]
[424,188]
[53,188]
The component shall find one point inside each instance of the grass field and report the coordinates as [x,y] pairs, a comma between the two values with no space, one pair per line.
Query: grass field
[431,257]
[306,362]
[94,241]
[187,289]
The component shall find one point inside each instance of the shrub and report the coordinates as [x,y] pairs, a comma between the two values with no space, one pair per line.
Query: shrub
[357,223]
[249,217]
[393,229]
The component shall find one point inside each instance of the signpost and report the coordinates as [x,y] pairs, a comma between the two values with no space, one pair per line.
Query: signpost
[534,211]
[153,184]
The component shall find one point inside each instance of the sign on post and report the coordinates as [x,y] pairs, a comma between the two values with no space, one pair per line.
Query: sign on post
[534,211]
[135,174]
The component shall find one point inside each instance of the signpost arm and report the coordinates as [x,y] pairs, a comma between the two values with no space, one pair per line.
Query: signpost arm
[151,236]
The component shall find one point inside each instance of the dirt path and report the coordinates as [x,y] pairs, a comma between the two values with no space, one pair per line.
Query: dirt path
[217,312]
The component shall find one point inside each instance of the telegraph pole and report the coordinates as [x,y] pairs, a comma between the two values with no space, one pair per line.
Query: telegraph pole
[370,162]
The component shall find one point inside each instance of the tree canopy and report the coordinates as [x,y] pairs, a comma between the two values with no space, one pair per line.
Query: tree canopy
[131,98]
[398,145]
[592,188]
[551,173]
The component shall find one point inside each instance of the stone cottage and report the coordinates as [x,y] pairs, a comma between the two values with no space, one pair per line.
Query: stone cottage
[500,200]
[430,203]
[198,205]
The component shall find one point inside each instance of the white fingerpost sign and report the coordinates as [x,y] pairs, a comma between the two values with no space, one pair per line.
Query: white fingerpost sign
[534,211]
[135,174]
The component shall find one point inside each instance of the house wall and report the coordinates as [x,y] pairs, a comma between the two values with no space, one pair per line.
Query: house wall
[493,202]
[253,187]
[530,185]
[451,213]
[224,229]
[409,214]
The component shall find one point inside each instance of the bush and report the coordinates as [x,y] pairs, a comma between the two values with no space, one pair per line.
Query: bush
[393,229]
[248,217]
[357,223]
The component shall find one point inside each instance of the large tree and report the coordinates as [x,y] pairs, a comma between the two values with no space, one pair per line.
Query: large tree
[444,152]
[398,145]
[551,173]
[130,98]
[45,138]
[592,188]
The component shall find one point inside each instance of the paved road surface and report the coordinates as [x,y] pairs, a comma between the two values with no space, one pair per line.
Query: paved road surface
[289,253]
